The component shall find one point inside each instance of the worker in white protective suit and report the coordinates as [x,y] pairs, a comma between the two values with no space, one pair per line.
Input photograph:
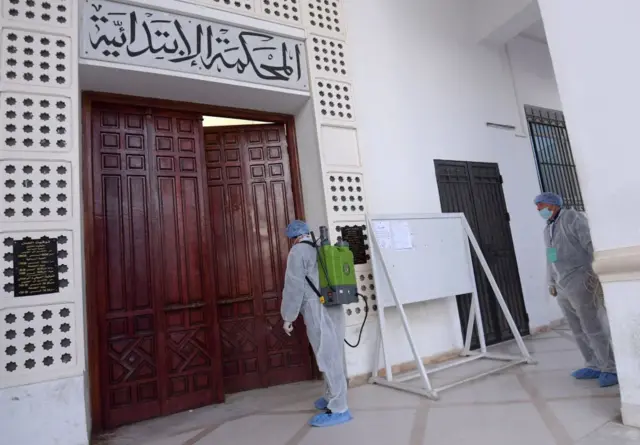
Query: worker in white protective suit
[298,297]
[572,280]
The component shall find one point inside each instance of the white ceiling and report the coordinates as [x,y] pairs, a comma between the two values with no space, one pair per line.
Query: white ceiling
[535,32]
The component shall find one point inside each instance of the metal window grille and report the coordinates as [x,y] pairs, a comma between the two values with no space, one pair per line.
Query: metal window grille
[554,158]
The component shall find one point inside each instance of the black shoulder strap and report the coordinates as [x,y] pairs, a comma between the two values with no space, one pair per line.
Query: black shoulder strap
[313,286]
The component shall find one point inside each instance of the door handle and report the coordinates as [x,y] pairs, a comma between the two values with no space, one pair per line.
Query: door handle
[234,300]
[180,307]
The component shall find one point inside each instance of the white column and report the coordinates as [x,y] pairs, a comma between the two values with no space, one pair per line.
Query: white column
[339,152]
[593,44]
[42,355]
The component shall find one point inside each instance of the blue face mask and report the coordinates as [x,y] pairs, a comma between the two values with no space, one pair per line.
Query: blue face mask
[545,213]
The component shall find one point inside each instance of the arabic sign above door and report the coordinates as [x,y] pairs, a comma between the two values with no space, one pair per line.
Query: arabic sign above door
[116,32]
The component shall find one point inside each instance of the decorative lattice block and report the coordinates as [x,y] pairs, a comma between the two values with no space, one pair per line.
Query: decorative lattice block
[346,193]
[35,191]
[285,10]
[355,312]
[37,339]
[242,5]
[65,259]
[324,16]
[334,100]
[35,122]
[329,56]
[35,59]
[39,12]
[367,288]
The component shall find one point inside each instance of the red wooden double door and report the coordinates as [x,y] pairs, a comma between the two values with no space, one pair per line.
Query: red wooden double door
[188,261]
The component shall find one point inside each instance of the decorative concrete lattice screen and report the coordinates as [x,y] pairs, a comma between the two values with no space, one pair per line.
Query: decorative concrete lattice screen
[346,193]
[334,100]
[324,16]
[35,58]
[283,10]
[355,312]
[329,56]
[237,5]
[38,12]
[34,122]
[37,339]
[42,330]
[35,191]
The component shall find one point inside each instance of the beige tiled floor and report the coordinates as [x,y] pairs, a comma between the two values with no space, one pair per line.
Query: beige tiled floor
[528,405]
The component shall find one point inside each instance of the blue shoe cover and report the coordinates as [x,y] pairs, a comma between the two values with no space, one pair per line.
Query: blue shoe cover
[586,374]
[608,379]
[330,419]
[321,404]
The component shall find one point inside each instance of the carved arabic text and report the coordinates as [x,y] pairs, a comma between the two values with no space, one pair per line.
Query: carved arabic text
[186,40]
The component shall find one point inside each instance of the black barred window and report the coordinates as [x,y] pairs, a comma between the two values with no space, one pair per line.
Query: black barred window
[554,158]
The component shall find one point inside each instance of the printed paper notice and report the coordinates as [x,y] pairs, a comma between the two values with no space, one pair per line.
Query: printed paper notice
[401,235]
[382,232]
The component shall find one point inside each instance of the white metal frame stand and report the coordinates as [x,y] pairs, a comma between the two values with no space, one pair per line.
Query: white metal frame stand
[467,356]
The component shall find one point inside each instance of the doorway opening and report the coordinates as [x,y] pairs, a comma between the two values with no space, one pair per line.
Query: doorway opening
[475,189]
[185,210]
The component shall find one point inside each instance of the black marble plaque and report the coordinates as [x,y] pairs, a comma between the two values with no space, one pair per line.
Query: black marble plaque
[354,235]
[35,267]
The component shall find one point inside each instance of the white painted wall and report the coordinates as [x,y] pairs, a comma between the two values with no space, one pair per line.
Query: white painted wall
[45,413]
[425,91]
[310,167]
[498,21]
[533,73]
[535,84]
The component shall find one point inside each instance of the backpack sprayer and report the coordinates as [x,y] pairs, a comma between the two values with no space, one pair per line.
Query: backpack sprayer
[337,273]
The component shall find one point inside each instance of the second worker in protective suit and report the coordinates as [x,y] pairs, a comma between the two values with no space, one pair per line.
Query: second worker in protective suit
[325,326]
[576,286]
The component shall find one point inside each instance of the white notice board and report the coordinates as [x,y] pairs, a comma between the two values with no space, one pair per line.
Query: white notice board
[426,256]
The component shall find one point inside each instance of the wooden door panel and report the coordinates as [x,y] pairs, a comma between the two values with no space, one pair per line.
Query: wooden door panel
[232,252]
[237,244]
[227,204]
[251,201]
[159,349]
[272,208]
[241,364]
[288,358]
[183,257]
[169,247]
[266,253]
[130,383]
